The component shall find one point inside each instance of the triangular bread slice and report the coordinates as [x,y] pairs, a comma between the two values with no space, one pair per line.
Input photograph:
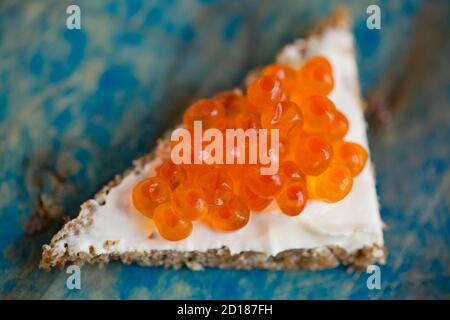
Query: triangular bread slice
[324,235]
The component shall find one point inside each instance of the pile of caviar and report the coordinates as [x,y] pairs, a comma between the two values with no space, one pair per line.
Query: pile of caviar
[315,162]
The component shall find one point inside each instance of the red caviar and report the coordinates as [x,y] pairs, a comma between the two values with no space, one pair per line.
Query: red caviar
[169,225]
[314,162]
[316,75]
[264,92]
[207,111]
[319,113]
[150,193]
[339,127]
[264,186]
[284,116]
[230,216]
[253,201]
[171,173]
[189,202]
[350,155]
[217,185]
[284,73]
[293,197]
[332,185]
[290,170]
[248,120]
[313,155]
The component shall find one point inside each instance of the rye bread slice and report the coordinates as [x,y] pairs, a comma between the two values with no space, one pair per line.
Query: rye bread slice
[301,258]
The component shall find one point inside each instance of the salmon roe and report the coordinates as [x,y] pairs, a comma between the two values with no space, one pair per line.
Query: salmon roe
[313,154]
[169,225]
[189,202]
[285,116]
[230,216]
[332,185]
[285,74]
[293,197]
[264,92]
[350,155]
[150,193]
[314,161]
[208,111]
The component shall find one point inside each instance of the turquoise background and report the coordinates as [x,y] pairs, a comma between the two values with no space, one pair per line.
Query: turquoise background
[76,106]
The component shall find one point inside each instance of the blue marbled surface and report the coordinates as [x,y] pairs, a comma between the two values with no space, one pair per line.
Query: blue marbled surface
[76,106]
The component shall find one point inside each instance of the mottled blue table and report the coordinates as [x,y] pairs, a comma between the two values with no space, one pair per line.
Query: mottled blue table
[76,106]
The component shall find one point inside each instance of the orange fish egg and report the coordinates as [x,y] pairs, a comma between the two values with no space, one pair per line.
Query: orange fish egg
[264,92]
[299,97]
[264,186]
[332,185]
[339,126]
[316,74]
[284,73]
[247,120]
[207,111]
[173,174]
[251,200]
[170,226]
[284,116]
[189,202]
[231,216]
[350,155]
[150,193]
[293,197]
[319,114]
[233,102]
[225,123]
[217,185]
[290,170]
[313,155]
[284,149]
